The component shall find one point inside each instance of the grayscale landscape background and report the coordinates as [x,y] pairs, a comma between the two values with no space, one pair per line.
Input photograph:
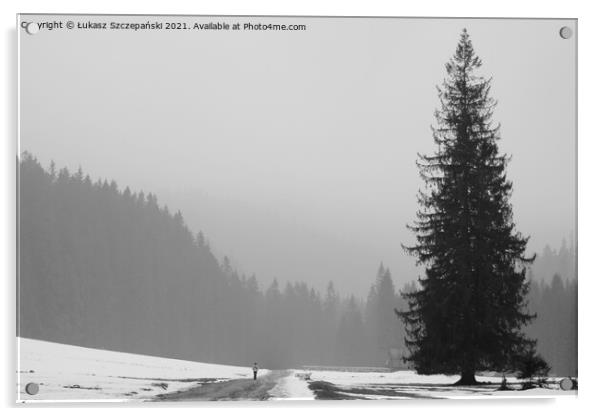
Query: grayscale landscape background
[294,153]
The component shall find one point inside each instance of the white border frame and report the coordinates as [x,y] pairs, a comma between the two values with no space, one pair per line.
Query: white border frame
[588,195]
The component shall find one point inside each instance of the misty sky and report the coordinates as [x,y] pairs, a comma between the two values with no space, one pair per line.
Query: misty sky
[295,152]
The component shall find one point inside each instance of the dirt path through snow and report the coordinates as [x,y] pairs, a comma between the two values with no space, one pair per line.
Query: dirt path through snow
[237,389]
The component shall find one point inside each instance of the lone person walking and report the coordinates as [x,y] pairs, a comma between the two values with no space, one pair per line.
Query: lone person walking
[255,370]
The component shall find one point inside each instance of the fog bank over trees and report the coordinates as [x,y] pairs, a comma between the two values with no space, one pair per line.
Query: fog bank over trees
[106,267]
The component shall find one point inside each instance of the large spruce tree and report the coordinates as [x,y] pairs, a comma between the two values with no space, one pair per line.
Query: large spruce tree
[468,313]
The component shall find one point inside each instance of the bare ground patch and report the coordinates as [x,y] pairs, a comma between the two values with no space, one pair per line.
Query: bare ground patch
[237,389]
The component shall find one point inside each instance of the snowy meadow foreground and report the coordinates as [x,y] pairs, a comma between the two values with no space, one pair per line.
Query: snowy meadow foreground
[70,373]
[404,384]
[65,372]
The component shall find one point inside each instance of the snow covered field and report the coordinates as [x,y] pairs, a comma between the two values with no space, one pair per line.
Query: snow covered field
[70,373]
[407,384]
[65,372]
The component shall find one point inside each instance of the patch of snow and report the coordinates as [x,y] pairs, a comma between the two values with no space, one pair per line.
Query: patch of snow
[405,377]
[71,373]
[291,387]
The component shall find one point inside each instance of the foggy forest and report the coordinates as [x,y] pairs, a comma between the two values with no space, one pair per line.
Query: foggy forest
[104,266]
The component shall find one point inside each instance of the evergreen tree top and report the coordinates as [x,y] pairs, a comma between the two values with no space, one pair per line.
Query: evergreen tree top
[465,57]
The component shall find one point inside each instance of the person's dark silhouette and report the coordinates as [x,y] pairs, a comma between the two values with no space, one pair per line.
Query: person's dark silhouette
[255,370]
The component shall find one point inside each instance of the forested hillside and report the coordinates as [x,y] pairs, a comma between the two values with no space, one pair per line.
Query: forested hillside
[108,268]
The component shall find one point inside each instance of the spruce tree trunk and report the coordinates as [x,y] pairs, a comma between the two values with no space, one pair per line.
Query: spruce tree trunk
[467,378]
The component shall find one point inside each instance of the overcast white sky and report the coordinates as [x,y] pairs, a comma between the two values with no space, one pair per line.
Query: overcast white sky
[294,151]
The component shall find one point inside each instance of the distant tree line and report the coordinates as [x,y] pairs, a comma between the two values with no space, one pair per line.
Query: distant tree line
[553,297]
[107,268]
[551,262]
